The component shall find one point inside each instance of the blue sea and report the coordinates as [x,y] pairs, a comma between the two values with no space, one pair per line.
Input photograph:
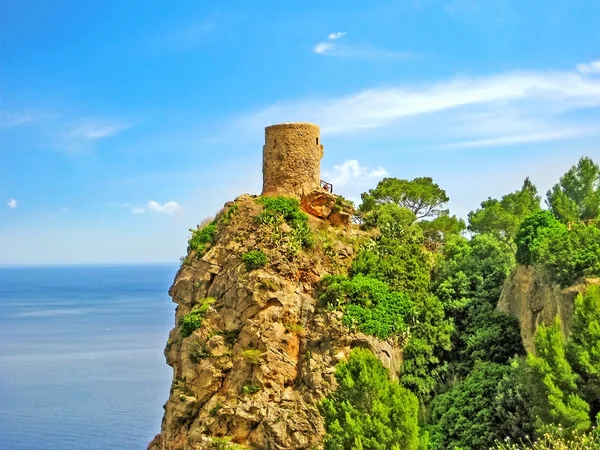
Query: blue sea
[81,356]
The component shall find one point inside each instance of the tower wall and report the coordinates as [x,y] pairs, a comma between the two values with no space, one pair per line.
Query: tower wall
[291,159]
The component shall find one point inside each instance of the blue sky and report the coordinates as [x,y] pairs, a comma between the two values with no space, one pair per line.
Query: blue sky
[123,124]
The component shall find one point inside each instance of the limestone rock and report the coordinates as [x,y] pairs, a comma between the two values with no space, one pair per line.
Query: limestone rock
[264,357]
[340,219]
[319,203]
[533,298]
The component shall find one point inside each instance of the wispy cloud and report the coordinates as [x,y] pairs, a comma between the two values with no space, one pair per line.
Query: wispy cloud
[593,67]
[351,172]
[337,35]
[12,203]
[168,208]
[333,47]
[492,110]
[15,119]
[97,129]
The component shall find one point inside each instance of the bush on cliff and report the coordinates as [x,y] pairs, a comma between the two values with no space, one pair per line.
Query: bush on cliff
[368,305]
[367,411]
[254,259]
[277,210]
[202,238]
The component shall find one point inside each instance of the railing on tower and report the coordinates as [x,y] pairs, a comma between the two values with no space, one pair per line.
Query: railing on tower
[327,186]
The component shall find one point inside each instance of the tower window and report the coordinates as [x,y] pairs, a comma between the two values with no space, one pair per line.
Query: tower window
[317,141]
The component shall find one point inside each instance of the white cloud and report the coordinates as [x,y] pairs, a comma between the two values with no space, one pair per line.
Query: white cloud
[323,47]
[334,36]
[13,119]
[491,110]
[352,172]
[593,67]
[331,48]
[97,129]
[12,203]
[170,207]
[166,208]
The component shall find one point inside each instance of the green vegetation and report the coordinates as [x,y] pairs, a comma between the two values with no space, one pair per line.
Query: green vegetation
[278,210]
[250,389]
[202,238]
[577,195]
[367,411]
[368,305]
[193,320]
[502,218]
[252,356]
[254,259]
[583,348]
[554,384]
[228,215]
[224,443]
[488,405]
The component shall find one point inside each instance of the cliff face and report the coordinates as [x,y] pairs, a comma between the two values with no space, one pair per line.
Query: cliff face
[264,356]
[533,298]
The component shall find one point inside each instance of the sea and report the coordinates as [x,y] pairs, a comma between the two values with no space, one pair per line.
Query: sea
[81,356]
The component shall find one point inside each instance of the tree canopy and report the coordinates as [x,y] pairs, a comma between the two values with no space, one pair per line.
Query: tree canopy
[577,195]
[502,218]
[421,195]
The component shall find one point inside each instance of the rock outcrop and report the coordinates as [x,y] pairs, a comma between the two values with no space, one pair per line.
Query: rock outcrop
[264,357]
[533,298]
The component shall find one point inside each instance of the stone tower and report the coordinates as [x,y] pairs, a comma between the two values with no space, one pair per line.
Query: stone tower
[291,159]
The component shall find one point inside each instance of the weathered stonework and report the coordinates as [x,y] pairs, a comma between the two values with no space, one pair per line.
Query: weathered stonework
[291,159]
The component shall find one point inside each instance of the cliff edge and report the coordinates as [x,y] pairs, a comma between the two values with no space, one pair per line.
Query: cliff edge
[253,353]
[532,297]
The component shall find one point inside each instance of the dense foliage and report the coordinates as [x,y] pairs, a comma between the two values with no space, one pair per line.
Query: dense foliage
[191,321]
[420,281]
[202,238]
[554,384]
[368,305]
[254,259]
[502,218]
[367,411]
[577,195]
[488,405]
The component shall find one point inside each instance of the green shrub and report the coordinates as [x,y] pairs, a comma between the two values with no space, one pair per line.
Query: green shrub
[224,443]
[253,357]
[228,215]
[368,305]
[250,389]
[491,404]
[214,411]
[556,400]
[569,255]
[533,229]
[277,210]
[367,411]
[202,238]
[193,320]
[254,259]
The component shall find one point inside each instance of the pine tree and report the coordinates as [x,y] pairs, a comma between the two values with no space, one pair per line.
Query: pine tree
[583,350]
[367,411]
[554,384]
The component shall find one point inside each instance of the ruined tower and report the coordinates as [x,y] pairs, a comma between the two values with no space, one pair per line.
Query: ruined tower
[291,159]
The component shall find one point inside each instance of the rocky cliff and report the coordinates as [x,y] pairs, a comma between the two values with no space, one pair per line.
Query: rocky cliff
[263,357]
[533,298]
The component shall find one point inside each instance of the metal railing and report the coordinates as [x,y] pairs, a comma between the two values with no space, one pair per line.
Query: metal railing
[327,186]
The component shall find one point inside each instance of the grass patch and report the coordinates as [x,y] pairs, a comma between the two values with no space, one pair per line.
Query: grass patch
[295,328]
[202,238]
[253,357]
[254,259]
[277,210]
[228,215]
[250,389]
[193,320]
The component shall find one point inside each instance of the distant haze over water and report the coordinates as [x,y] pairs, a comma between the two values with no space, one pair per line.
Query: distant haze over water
[81,356]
